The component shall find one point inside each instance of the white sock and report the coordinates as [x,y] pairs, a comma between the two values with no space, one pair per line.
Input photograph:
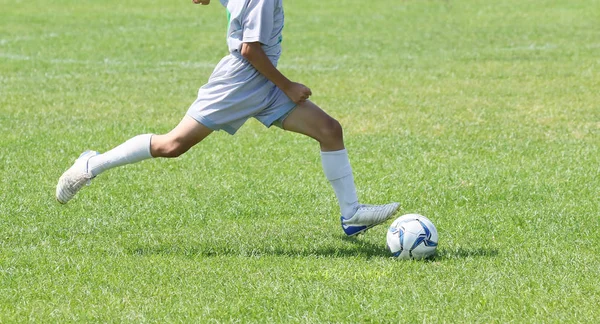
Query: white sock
[338,171]
[134,150]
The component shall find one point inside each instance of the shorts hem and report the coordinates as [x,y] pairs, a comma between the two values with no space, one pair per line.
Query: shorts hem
[282,112]
[215,127]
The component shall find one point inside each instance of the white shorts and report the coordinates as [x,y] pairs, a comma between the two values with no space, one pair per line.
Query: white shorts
[235,92]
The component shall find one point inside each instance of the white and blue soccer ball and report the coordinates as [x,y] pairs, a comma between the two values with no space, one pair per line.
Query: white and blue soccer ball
[412,236]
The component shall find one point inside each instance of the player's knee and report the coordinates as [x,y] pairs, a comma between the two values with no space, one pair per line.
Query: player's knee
[175,150]
[168,148]
[331,130]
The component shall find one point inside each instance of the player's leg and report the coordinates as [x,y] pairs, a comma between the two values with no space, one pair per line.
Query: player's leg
[176,142]
[188,133]
[90,163]
[308,119]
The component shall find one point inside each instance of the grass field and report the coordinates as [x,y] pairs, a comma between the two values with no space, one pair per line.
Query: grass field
[482,115]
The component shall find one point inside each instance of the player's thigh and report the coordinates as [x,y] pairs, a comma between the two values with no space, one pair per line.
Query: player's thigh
[186,134]
[308,119]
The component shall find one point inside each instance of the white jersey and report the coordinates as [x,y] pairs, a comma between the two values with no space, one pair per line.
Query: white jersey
[255,21]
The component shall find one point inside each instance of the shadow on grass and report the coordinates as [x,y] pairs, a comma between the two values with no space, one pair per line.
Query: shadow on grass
[356,248]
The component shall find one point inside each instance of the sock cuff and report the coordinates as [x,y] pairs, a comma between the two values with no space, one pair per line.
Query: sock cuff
[336,164]
[332,153]
[148,137]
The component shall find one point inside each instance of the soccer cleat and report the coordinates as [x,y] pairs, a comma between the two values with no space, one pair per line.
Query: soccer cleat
[367,216]
[74,178]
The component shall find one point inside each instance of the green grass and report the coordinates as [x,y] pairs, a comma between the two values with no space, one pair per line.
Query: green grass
[483,116]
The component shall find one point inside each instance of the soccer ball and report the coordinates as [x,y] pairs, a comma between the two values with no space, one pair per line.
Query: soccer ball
[412,236]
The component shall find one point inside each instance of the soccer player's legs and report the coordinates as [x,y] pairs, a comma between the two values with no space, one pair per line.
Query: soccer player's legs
[310,120]
[138,148]
[186,134]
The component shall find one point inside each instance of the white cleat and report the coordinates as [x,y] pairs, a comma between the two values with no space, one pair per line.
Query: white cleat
[367,216]
[74,178]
